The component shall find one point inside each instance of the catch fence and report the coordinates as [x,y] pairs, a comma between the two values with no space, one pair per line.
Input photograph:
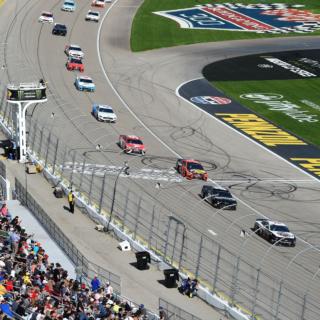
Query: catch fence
[118,199]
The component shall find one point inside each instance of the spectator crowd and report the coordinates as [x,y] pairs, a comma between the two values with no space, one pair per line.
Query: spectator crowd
[33,288]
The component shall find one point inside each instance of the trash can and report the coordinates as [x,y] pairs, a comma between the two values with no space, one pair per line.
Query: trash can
[143,258]
[171,277]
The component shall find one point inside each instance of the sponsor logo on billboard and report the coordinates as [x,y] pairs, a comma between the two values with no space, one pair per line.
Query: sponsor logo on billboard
[259,18]
[276,102]
[210,100]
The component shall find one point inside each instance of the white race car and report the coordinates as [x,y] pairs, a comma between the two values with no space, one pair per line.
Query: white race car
[46,17]
[93,16]
[103,113]
[73,50]
[274,232]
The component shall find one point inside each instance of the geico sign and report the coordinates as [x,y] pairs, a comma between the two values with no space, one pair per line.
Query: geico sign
[274,102]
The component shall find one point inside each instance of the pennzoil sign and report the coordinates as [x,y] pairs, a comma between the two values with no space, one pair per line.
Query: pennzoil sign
[259,18]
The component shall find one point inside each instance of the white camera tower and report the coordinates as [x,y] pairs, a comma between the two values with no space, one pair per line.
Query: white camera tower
[24,95]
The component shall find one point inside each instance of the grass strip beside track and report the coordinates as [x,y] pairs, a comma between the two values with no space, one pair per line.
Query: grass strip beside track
[294,91]
[151,31]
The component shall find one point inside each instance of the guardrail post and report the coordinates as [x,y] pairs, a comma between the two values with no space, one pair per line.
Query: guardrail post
[199,258]
[256,292]
[279,300]
[73,165]
[137,219]
[40,143]
[125,210]
[304,306]
[102,191]
[91,185]
[48,147]
[151,229]
[217,268]
[55,157]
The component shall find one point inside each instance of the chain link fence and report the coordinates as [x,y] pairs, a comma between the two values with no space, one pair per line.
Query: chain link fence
[223,272]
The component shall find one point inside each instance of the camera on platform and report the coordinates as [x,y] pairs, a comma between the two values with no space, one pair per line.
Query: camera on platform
[27,91]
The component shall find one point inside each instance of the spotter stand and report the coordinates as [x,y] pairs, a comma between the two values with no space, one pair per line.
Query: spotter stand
[24,95]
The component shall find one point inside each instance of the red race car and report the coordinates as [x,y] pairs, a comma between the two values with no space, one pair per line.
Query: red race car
[98,3]
[191,169]
[131,144]
[75,64]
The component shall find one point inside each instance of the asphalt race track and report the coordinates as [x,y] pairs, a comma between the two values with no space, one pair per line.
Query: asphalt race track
[142,90]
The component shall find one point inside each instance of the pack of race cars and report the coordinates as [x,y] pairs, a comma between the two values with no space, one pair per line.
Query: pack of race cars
[275,232]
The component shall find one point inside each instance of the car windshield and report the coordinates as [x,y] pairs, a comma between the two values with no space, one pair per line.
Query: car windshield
[74,48]
[86,80]
[135,141]
[279,228]
[105,110]
[94,13]
[194,166]
[69,4]
[47,15]
[224,193]
[60,26]
[73,60]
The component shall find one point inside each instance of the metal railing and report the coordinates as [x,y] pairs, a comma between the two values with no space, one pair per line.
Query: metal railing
[222,270]
[174,313]
[88,269]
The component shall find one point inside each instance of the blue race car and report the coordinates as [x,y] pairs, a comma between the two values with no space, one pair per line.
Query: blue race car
[84,83]
[68,5]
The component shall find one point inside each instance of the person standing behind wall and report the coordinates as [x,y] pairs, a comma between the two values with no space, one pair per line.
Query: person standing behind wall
[71,201]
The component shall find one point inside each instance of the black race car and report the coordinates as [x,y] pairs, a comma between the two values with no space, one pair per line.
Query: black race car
[218,197]
[59,29]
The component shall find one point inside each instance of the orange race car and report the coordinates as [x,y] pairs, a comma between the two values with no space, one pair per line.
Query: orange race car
[75,64]
[191,169]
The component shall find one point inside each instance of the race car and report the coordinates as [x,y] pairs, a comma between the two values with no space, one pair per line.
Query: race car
[131,144]
[74,64]
[68,5]
[191,169]
[46,17]
[218,197]
[73,50]
[93,16]
[103,113]
[84,83]
[59,29]
[274,232]
[98,3]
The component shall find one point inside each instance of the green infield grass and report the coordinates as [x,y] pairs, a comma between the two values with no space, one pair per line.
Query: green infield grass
[289,102]
[151,31]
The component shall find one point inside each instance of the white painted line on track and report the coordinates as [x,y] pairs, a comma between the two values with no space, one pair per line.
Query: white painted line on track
[212,232]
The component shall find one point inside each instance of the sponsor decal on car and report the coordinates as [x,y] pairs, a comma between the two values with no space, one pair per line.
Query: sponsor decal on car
[211,100]
[276,102]
[259,18]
